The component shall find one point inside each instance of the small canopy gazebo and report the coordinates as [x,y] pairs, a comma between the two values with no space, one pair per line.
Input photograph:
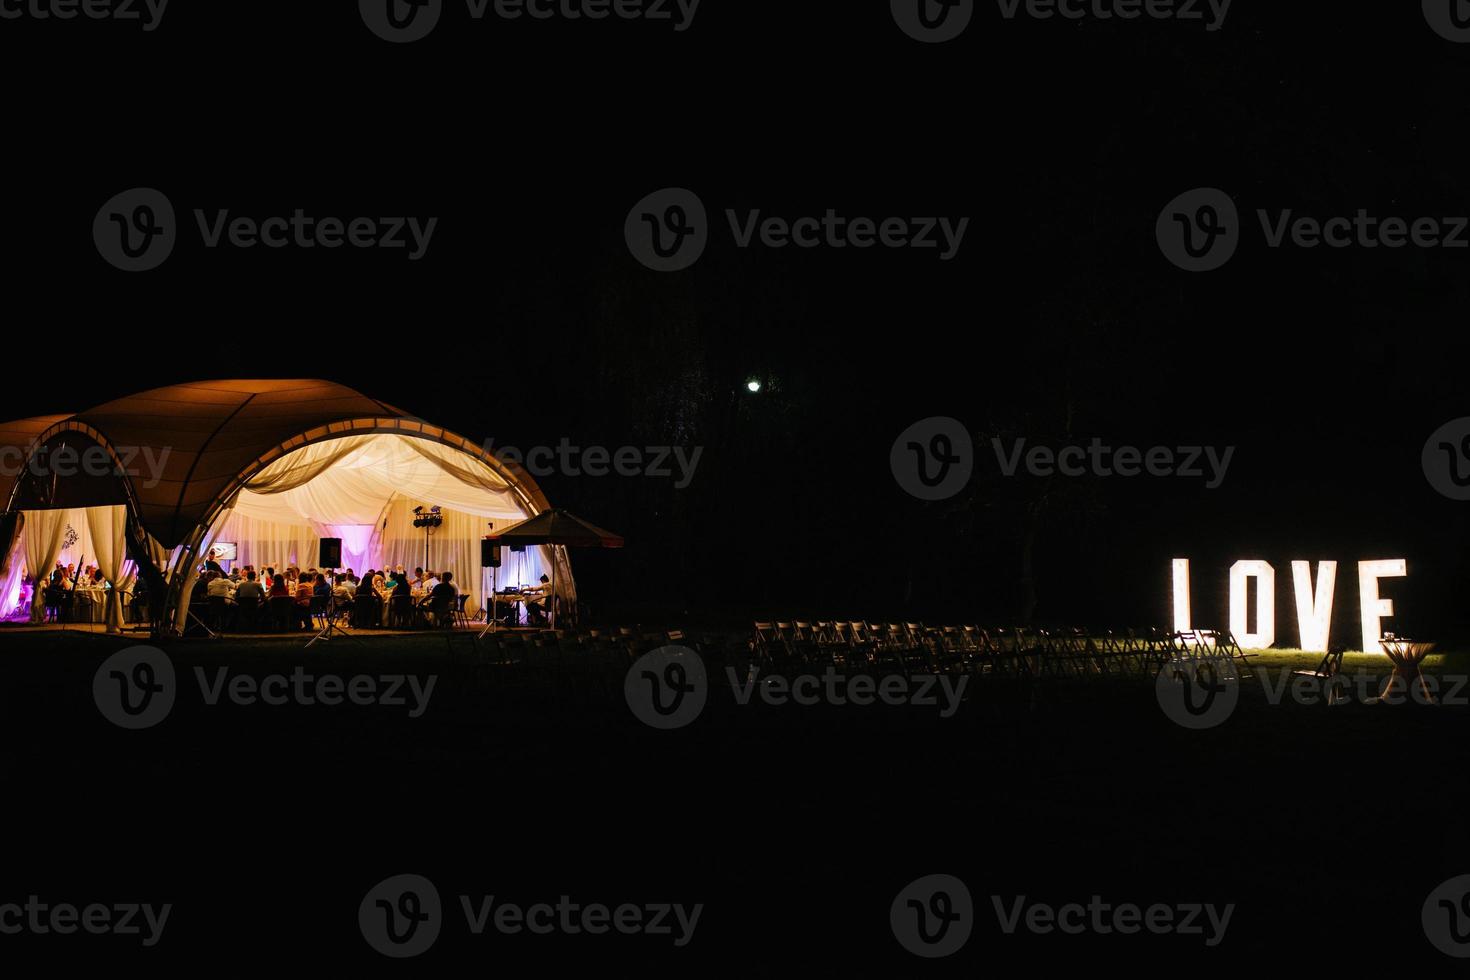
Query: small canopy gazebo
[559,528]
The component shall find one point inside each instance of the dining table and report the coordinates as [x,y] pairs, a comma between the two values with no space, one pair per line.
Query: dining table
[1407,656]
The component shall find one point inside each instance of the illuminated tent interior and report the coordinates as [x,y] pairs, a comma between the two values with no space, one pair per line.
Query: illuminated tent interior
[270,467]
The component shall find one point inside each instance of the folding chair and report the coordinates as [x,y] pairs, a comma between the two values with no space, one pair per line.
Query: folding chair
[1326,672]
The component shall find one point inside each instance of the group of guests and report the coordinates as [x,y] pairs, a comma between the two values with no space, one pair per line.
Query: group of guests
[244,590]
[65,577]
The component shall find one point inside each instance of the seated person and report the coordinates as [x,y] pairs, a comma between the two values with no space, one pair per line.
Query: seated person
[220,586]
[249,591]
[303,600]
[536,609]
[417,582]
[319,585]
[443,598]
[343,589]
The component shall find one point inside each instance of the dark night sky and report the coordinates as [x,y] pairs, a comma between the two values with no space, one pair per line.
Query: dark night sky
[529,321]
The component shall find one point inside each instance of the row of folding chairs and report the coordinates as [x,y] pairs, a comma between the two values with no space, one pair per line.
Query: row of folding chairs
[1020,652]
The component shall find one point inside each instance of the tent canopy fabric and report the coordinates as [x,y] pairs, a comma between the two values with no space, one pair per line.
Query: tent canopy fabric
[17,440]
[211,438]
[557,526]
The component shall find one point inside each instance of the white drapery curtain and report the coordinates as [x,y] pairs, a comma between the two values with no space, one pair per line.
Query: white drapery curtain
[269,543]
[11,573]
[453,547]
[108,529]
[42,537]
[348,480]
[356,540]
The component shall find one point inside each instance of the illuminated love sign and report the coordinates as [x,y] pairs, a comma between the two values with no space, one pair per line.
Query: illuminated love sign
[1313,603]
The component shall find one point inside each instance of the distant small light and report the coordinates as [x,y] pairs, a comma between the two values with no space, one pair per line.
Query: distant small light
[752,386]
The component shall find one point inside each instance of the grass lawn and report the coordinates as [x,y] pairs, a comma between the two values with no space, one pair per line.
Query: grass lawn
[1314,822]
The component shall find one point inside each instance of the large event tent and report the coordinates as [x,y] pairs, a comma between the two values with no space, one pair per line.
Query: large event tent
[147,484]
